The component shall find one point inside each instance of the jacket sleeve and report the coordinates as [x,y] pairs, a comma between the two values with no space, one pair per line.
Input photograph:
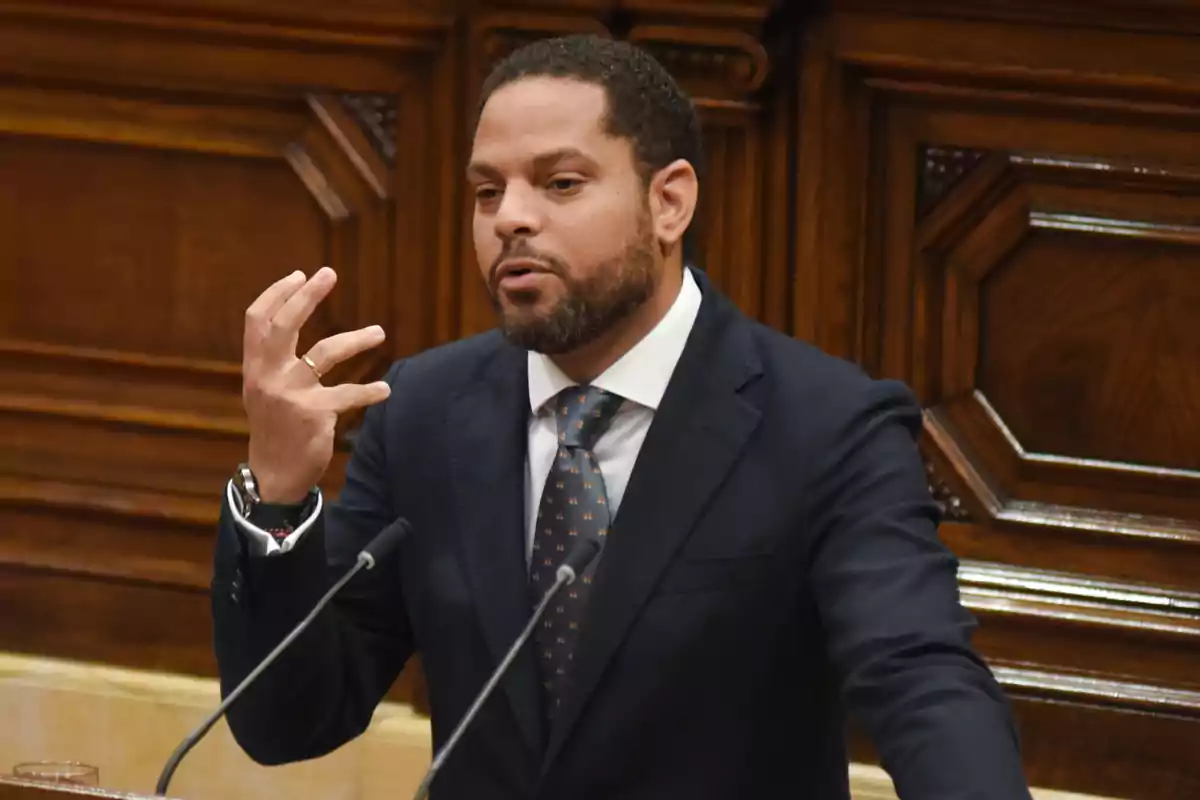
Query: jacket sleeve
[323,690]
[887,593]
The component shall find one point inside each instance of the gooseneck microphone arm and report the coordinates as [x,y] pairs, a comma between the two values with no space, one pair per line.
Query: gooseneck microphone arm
[384,542]
[575,562]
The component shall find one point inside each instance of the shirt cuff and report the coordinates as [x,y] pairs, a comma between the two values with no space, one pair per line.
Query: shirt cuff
[260,542]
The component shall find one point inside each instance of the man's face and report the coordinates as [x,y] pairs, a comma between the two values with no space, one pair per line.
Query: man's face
[562,222]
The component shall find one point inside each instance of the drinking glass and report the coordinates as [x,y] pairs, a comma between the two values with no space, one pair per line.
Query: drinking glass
[71,772]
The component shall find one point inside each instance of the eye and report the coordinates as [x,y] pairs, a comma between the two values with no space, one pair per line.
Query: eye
[484,194]
[565,185]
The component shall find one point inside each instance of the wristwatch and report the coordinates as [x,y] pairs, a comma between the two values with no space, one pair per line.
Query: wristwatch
[279,520]
[245,488]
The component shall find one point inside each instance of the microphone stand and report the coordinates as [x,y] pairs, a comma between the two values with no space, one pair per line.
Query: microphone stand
[366,560]
[566,574]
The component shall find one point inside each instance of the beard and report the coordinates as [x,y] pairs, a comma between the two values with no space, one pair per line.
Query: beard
[590,307]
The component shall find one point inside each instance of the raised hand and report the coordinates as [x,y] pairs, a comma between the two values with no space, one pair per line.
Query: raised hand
[292,415]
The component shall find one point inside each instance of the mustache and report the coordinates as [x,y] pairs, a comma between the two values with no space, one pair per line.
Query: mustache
[521,248]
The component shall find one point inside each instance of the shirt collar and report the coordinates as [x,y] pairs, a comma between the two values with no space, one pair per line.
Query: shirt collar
[642,374]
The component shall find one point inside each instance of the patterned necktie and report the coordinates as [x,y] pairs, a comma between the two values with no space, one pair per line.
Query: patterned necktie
[574,503]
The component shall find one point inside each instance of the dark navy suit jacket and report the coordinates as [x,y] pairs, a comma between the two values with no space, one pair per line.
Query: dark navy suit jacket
[774,564]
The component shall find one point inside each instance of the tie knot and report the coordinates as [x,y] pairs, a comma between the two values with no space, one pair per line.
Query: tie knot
[583,414]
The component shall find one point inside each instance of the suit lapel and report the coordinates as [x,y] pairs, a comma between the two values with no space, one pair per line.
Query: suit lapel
[488,439]
[697,434]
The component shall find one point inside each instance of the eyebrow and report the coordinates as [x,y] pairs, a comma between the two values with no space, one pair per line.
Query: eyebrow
[479,169]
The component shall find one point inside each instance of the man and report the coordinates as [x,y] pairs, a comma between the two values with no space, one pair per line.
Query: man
[770,545]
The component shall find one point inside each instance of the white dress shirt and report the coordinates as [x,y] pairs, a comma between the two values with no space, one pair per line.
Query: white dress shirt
[640,377]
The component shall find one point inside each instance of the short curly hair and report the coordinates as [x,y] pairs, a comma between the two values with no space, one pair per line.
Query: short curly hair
[645,104]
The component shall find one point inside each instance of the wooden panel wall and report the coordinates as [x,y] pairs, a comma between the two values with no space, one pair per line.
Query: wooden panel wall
[1000,204]
[160,163]
[997,202]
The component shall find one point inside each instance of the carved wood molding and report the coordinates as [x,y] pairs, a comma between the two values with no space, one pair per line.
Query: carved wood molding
[1115,737]
[858,63]
[1132,599]
[719,66]
[403,27]
[1069,638]
[201,54]
[498,34]
[1107,70]
[948,502]
[940,169]
[1097,691]
[1094,613]
[376,114]
[1085,526]
[1169,16]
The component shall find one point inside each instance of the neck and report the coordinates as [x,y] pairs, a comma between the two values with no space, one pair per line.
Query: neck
[584,364]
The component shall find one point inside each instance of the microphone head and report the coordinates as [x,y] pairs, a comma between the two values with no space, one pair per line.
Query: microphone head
[385,542]
[584,552]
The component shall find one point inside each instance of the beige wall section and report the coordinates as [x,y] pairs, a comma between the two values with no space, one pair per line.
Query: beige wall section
[127,723]
[872,783]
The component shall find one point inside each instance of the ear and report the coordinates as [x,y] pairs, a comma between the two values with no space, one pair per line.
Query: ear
[674,190]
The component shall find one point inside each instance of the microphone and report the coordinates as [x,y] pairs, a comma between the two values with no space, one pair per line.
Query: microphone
[575,563]
[384,543]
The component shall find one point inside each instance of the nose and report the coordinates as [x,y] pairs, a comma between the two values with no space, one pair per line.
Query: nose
[517,214]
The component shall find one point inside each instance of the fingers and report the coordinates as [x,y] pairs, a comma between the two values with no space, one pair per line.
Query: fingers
[267,304]
[349,396]
[330,352]
[287,321]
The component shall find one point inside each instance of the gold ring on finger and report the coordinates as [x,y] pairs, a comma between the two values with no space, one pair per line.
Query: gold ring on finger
[312,365]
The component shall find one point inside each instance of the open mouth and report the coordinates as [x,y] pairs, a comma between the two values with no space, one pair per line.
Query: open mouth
[520,271]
